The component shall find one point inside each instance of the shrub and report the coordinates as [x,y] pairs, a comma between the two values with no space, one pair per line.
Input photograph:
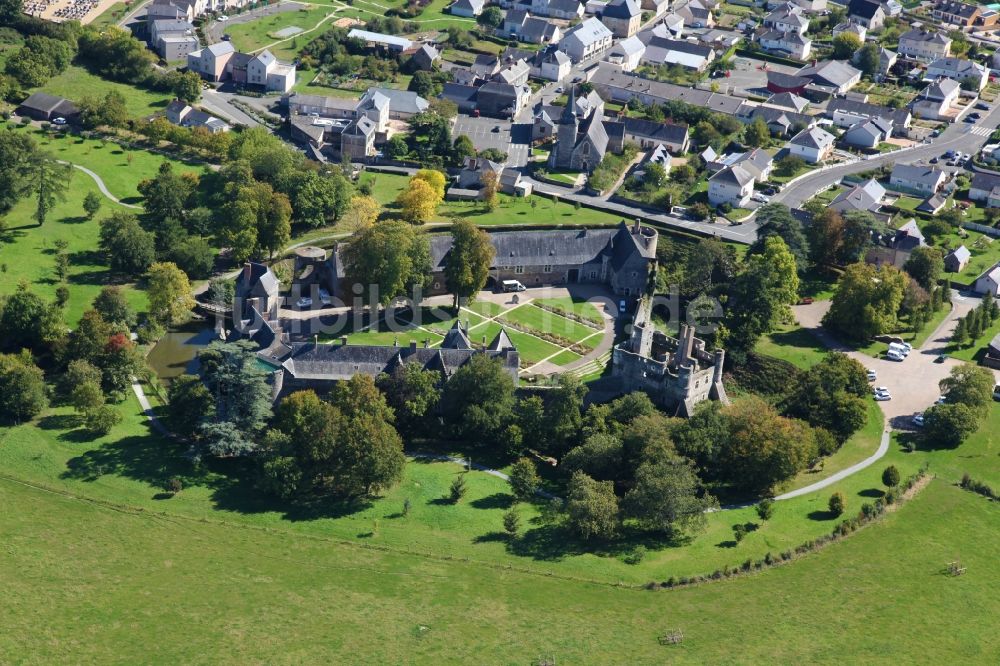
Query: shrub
[890,477]
[102,419]
[458,489]
[837,504]
[636,556]
[765,509]
[739,531]
[174,485]
[511,523]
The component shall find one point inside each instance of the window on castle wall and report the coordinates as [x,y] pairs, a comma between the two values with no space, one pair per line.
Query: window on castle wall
[518,270]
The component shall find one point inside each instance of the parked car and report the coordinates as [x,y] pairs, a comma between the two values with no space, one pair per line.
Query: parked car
[941,400]
[880,389]
[806,300]
[918,420]
[513,285]
[934,160]
[975,116]
[59,121]
[622,307]
[560,90]
[872,375]
[304,302]
[222,18]
[949,153]
[894,355]
[882,397]
[759,197]
[983,106]
[496,128]
[996,392]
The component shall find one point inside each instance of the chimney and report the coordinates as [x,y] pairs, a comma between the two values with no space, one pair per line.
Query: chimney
[343,340]
[635,227]
[413,345]
[246,274]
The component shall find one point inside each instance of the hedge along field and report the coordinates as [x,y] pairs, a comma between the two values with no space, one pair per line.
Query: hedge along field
[88,582]
[27,251]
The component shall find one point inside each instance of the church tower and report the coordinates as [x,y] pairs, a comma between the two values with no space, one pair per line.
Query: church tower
[566,133]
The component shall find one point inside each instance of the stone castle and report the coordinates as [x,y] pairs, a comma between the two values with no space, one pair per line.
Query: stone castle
[677,373]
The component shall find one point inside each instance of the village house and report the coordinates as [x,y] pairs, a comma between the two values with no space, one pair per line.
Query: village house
[959,69]
[732,185]
[425,57]
[551,64]
[524,27]
[962,14]
[172,39]
[956,260]
[568,10]
[696,14]
[988,283]
[847,113]
[787,17]
[43,106]
[618,86]
[663,51]
[923,180]
[864,197]
[467,8]
[626,53]
[182,114]
[622,17]
[813,145]
[868,133]
[586,40]
[867,13]
[925,45]
[985,188]
[850,28]
[791,44]
[936,101]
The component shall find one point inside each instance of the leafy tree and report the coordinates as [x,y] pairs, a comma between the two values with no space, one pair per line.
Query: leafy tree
[88,339]
[189,404]
[21,315]
[186,86]
[949,425]
[418,202]
[833,394]
[91,204]
[169,293]
[241,394]
[868,59]
[114,307]
[756,134]
[511,523]
[115,54]
[87,396]
[316,199]
[363,211]
[523,479]
[845,45]
[668,496]
[109,111]
[491,185]
[866,302]
[837,504]
[119,362]
[701,436]
[221,291]
[257,220]
[765,508]
[478,402]
[763,448]
[78,372]
[50,180]
[462,148]
[22,388]
[925,265]
[601,457]
[396,148]
[592,507]
[129,248]
[890,476]
[777,220]
[195,256]
[969,385]
[761,294]
[789,165]
[169,194]
[491,17]
[102,419]
[961,333]
[425,84]
[413,394]
[17,154]
[388,260]
[468,264]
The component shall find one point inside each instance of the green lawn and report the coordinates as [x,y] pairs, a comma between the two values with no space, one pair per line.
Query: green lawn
[76,83]
[565,357]
[26,250]
[529,348]
[254,35]
[581,308]
[511,211]
[111,15]
[793,344]
[88,581]
[537,319]
[973,352]
[485,308]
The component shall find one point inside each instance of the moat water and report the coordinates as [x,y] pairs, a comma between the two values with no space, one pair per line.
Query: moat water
[177,351]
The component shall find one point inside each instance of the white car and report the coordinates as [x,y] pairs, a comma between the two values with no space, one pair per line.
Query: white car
[872,375]
[880,389]
[304,302]
[918,420]
[760,198]
[941,400]
[894,355]
[882,397]
[59,121]
[222,18]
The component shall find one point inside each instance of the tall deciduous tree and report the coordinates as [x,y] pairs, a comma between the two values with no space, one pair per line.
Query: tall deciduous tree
[419,201]
[413,394]
[867,301]
[592,507]
[761,294]
[22,388]
[388,260]
[833,394]
[925,265]
[668,496]
[169,292]
[478,402]
[129,248]
[468,264]
[777,220]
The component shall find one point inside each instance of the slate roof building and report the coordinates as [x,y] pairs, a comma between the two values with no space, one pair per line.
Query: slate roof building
[847,113]
[923,44]
[732,185]
[915,178]
[867,13]
[581,142]
[813,145]
[586,40]
[956,260]
[622,17]
[867,133]
[42,106]
[866,197]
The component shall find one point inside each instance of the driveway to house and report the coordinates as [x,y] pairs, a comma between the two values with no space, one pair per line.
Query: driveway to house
[913,382]
[960,136]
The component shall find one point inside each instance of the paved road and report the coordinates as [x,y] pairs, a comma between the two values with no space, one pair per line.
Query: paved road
[960,136]
[218,103]
[882,449]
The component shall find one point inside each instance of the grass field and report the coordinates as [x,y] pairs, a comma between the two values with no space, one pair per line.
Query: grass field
[793,344]
[537,319]
[583,309]
[254,35]
[85,581]
[511,211]
[26,252]
[76,83]
[111,15]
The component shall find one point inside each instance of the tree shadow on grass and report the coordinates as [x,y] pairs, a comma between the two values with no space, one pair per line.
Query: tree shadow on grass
[59,422]
[553,542]
[726,544]
[77,219]
[440,501]
[871,492]
[492,537]
[494,501]
[821,515]
[131,200]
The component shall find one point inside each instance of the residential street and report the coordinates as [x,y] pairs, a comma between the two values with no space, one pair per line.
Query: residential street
[960,136]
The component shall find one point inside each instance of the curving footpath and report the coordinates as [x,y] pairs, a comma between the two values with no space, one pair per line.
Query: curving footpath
[100,185]
[883,448]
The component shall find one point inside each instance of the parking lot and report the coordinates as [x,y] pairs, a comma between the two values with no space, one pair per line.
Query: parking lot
[481,131]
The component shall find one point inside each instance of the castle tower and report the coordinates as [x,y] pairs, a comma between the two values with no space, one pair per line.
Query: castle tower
[566,133]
